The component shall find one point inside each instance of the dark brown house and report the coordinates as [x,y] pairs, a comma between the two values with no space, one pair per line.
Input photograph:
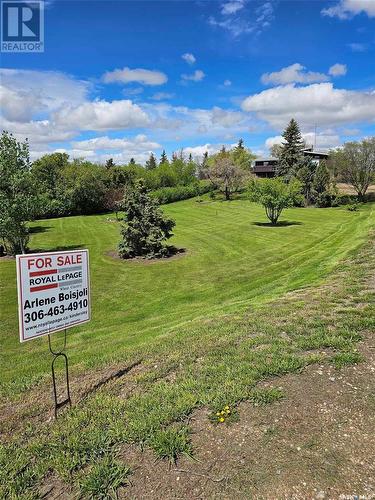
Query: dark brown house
[266,167]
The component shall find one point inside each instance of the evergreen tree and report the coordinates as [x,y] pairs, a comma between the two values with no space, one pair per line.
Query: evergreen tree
[240,145]
[151,162]
[163,158]
[291,153]
[321,178]
[305,174]
[202,168]
[321,186]
[242,156]
[109,163]
[132,161]
[145,228]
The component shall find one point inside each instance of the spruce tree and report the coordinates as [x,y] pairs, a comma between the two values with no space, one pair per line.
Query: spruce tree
[151,162]
[305,174]
[240,145]
[145,228]
[291,153]
[321,178]
[109,163]
[164,157]
[132,161]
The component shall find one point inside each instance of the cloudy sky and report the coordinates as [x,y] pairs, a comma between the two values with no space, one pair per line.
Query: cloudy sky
[122,78]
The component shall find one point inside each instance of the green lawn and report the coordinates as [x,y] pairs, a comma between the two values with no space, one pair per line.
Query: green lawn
[231,262]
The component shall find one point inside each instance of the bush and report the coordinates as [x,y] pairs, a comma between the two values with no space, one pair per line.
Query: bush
[324,200]
[275,195]
[171,194]
[353,207]
[145,228]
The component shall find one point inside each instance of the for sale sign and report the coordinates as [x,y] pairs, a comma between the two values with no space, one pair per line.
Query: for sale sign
[53,292]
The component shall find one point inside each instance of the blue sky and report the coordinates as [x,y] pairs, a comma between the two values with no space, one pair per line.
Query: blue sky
[123,78]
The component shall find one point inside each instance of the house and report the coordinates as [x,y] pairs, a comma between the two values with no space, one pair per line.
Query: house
[266,167]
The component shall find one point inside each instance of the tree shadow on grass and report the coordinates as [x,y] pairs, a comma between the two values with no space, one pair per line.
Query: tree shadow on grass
[56,249]
[39,229]
[283,223]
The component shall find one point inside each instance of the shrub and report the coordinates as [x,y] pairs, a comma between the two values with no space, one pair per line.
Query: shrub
[145,228]
[353,207]
[171,194]
[274,195]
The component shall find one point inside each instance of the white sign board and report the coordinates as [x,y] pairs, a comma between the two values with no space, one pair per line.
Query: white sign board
[53,292]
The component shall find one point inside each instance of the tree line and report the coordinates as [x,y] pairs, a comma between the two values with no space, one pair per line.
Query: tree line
[54,185]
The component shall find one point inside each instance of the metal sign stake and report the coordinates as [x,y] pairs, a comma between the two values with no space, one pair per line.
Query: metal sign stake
[56,355]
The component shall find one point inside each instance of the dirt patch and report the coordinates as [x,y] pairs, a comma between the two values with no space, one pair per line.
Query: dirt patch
[348,189]
[176,253]
[317,443]
[36,406]
[7,257]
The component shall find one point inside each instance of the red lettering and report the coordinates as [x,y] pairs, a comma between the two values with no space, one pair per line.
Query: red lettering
[30,263]
[69,259]
[39,262]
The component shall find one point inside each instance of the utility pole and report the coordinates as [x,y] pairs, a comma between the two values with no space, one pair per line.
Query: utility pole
[315,137]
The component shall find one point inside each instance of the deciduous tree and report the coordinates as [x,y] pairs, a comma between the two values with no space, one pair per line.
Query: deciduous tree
[19,200]
[226,176]
[274,195]
[355,164]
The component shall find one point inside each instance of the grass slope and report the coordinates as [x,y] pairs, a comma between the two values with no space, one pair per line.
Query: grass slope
[213,364]
[231,262]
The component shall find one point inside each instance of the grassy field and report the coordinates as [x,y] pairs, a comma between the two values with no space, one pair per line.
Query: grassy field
[197,332]
[232,260]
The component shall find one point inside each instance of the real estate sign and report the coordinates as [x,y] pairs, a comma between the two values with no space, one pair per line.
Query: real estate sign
[53,292]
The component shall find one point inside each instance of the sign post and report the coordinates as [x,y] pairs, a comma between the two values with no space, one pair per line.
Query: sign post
[53,295]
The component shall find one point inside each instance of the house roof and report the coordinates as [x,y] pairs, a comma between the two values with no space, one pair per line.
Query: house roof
[266,159]
[315,152]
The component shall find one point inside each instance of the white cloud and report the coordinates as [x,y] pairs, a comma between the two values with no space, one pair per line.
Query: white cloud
[189,58]
[139,75]
[199,151]
[232,7]
[38,133]
[295,73]
[25,93]
[338,70]
[357,47]
[102,148]
[138,144]
[227,83]
[189,122]
[102,115]
[132,91]
[236,25]
[317,103]
[324,140]
[197,76]
[351,131]
[161,96]
[346,9]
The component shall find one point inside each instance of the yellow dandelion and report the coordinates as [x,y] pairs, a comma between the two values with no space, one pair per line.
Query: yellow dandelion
[226,408]
[218,414]
[221,419]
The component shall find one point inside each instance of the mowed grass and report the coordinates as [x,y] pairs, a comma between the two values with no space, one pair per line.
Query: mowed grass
[231,262]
